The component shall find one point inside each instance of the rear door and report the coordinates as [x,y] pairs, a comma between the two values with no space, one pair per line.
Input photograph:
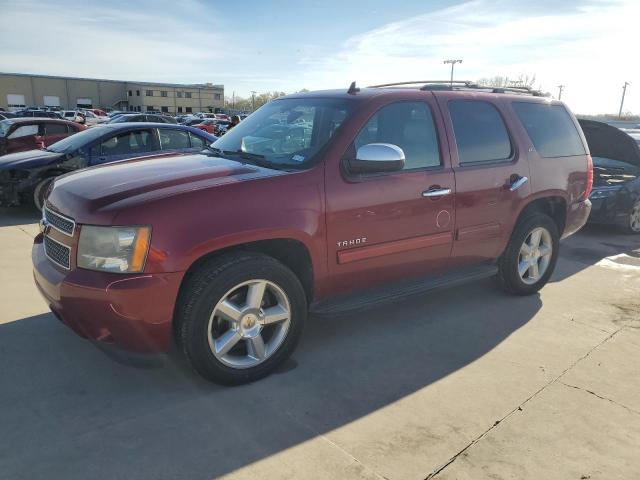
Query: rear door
[491,175]
[176,140]
[54,131]
[382,227]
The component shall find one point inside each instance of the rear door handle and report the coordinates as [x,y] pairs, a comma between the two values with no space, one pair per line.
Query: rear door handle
[517,182]
[436,192]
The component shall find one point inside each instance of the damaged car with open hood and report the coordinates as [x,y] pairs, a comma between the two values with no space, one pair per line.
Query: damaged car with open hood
[616,176]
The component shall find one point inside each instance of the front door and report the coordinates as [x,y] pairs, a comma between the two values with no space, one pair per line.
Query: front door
[385,227]
[125,145]
[491,177]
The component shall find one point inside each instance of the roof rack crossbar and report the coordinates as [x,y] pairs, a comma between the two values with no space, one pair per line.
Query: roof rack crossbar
[417,82]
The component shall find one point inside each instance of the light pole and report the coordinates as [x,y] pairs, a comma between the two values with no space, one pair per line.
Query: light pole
[253,101]
[624,91]
[452,62]
[560,88]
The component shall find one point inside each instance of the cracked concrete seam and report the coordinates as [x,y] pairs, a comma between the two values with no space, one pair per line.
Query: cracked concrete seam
[631,410]
[519,407]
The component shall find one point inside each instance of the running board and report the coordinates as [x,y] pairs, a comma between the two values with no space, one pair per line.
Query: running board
[399,291]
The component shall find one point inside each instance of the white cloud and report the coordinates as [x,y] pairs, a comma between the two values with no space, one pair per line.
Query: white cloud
[139,41]
[590,49]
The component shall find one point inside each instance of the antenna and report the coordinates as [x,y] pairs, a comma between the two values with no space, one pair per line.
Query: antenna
[353,89]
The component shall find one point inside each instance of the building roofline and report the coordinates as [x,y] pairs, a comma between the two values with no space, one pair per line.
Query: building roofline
[133,82]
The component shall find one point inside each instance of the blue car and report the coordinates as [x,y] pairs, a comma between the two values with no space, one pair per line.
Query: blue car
[26,176]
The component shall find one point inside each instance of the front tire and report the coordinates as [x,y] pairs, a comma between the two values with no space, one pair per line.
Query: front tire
[531,255]
[634,219]
[239,316]
[40,192]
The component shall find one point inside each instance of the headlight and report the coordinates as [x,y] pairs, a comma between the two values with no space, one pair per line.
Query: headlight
[113,249]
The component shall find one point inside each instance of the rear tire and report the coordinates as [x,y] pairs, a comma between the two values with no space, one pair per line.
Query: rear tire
[239,316]
[531,255]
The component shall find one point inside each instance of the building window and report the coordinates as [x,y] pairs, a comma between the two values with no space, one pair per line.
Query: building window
[130,93]
[164,109]
[179,109]
[150,108]
[137,93]
[189,109]
[217,96]
[179,94]
[187,94]
[149,93]
[163,93]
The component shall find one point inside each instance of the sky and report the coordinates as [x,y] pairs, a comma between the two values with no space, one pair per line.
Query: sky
[588,45]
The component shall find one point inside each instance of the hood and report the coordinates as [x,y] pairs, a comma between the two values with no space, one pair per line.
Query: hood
[28,159]
[606,141]
[107,188]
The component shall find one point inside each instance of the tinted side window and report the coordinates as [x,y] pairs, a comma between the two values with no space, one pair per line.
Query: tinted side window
[410,126]
[138,141]
[550,128]
[481,135]
[197,142]
[173,139]
[55,129]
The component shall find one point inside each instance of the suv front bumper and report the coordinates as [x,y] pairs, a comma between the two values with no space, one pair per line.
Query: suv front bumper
[133,311]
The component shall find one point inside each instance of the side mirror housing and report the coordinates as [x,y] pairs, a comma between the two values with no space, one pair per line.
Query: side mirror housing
[377,158]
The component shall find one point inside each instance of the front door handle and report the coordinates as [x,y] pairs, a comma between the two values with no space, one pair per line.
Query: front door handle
[436,192]
[516,182]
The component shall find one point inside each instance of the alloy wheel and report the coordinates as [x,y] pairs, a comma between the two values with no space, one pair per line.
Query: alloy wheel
[535,255]
[249,324]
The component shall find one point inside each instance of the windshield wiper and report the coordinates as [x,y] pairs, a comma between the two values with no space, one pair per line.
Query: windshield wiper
[247,157]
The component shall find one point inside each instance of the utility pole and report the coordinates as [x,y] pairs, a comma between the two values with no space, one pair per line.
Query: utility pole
[233,101]
[253,101]
[560,88]
[624,91]
[452,62]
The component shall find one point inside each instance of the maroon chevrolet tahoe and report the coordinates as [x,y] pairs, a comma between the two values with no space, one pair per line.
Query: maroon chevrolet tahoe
[328,202]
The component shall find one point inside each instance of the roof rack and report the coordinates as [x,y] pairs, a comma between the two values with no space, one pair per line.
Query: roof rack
[463,85]
[423,82]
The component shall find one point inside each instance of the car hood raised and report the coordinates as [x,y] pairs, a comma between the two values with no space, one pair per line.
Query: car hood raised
[110,187]
[28,159]
[607,141]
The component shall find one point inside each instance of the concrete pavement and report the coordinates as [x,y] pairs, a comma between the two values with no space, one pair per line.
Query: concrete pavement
[463,383]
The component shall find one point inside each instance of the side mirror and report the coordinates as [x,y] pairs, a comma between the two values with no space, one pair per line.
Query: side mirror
[377,158]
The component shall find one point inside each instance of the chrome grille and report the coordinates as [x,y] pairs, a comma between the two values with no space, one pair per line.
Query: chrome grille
[57,252]
[59,222]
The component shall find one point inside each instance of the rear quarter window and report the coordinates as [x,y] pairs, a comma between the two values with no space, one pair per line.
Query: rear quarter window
[550,128]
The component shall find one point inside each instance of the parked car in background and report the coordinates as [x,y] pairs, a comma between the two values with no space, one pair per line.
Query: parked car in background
[616,175]
[98,112]
[142,117]
[221,127]
[84,117]
[5,115]
[207,124]
[21,134]
[324,201]
[38,113]
[26,176]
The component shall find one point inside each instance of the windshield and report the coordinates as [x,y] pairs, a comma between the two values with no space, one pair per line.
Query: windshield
[287,132]
[77,140]
[4,128]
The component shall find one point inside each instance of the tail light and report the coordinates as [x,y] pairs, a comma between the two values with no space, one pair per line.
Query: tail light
[589,186]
